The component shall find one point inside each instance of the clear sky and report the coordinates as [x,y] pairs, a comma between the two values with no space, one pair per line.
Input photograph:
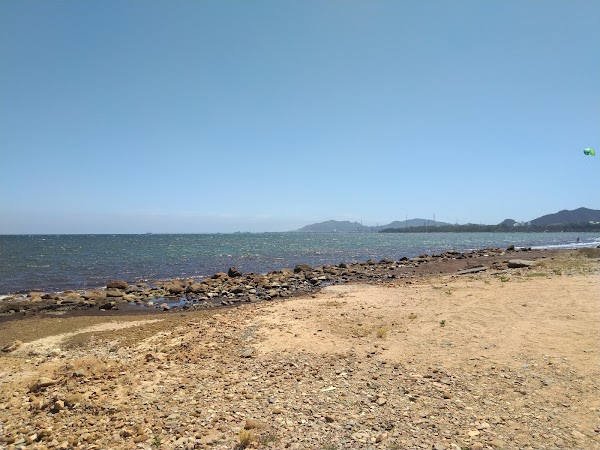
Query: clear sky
[203,116]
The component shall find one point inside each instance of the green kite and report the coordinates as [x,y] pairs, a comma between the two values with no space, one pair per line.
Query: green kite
[589,152]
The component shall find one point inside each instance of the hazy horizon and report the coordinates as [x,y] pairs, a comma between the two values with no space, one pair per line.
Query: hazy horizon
[274,231]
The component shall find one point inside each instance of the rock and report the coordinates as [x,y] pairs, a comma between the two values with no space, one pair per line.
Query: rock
[510,248]
[233,272]
[196,288]
[175,288]
[43,382]
[497,443]
[58,405]
[254,424]
[73,399]
[477,446]
[577,434]
[471,270]
[117,284]
[108,306]
[518,263]
[302,268]
[12,347]
[219,276]
[473,433]
[114,293]
[247,353]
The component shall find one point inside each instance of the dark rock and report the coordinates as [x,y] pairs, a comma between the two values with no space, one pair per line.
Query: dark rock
[233,272]
[302,268]
[109,305]
[175,288]
[471,270]
[518,263]
[219,275]
[117,284]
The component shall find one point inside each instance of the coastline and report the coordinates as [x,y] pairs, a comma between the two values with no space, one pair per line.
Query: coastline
[491,359]
[53,263]
[233,288]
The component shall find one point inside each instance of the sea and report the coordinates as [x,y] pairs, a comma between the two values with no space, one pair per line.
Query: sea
[61,262]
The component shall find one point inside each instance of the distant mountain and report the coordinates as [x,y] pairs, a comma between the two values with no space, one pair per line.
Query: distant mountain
[507,223]
[577,216]
[336,226]
[333,226]
[414,223]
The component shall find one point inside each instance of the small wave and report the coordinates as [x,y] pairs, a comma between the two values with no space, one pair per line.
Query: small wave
[572,245]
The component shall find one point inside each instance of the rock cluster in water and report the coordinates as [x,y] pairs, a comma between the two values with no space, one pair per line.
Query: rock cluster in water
[234,287]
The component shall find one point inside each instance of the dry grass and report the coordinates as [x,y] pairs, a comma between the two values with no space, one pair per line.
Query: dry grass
[382,332]
[580,262]
[246,437]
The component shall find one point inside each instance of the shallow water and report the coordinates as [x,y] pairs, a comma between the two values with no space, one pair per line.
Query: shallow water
[59,262]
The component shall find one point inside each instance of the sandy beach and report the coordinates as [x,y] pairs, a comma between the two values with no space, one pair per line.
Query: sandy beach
[497,359]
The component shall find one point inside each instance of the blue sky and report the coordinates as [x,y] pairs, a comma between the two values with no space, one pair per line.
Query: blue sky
[203,116]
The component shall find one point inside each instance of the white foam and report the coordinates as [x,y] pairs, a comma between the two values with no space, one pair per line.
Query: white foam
[571,245]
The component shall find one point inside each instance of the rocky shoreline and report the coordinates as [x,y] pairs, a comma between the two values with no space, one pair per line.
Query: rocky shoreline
[234,287]
[481,357]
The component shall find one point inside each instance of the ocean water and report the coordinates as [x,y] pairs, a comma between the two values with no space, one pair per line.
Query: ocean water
[60,262]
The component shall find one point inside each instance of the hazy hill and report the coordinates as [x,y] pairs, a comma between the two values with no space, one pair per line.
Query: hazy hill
[414,223]
[332,226]
[579,215]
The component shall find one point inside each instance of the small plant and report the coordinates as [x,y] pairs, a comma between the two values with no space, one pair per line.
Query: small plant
[503,278]
[412,316]
[156,442]
[536,274]
[328,446]
[442,323]
[245,437]
[267,438]
[382,332]
[448,292]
